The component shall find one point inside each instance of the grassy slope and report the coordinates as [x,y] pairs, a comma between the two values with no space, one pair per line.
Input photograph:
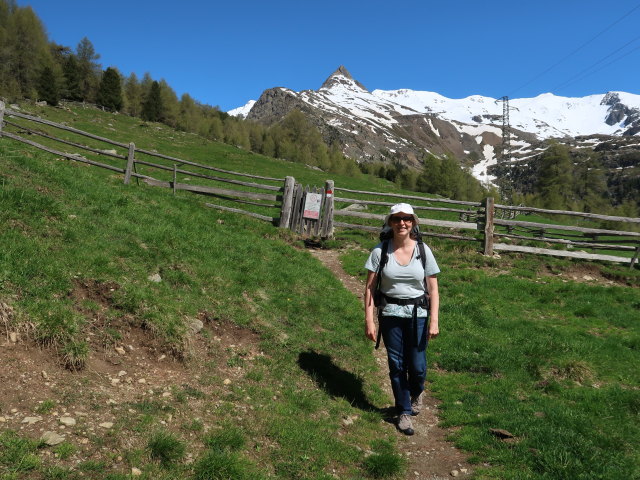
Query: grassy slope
[69,223]
[553,362]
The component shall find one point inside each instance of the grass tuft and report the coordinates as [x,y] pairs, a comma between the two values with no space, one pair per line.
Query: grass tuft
[384,462]
[166,447]
[230,439]
[218,465]
[574,370]
[75,355]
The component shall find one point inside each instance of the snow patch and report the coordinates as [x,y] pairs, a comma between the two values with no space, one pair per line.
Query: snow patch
[479,170]
[242,111]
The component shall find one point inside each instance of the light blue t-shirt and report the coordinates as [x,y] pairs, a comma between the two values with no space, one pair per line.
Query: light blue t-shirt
[402,281]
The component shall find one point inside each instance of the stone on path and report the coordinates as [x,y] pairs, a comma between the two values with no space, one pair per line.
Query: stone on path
[52,438]
[31,420]
[68,421]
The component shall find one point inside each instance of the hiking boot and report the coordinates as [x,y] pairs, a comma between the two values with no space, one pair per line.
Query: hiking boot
[416,404]
[405,425]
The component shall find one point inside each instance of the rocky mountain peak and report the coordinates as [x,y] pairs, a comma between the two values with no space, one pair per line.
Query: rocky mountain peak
[621,114]
[611,98]
[341,77]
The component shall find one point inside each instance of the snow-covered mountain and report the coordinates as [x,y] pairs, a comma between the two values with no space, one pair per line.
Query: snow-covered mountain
[404,124]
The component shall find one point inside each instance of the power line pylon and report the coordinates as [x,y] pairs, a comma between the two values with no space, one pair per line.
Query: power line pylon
[504,182]
[505,155]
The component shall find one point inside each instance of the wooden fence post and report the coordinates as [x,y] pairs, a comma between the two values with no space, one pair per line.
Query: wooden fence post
[130,160]
[175,177]
[1,115]
[489,212]
[327,210]
[635,258]
[287,202]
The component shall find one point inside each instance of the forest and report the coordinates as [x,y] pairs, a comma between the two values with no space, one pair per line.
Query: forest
[34,68]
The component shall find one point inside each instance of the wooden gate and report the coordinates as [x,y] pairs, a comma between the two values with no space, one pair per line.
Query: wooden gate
[308,211]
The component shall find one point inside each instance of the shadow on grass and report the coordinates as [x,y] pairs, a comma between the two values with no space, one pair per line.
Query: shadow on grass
[336,381]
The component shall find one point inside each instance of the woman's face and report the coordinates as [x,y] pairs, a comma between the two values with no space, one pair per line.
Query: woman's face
[401,223]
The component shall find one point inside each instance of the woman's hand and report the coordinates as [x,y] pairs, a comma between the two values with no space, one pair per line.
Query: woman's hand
[370,330]
[434,330]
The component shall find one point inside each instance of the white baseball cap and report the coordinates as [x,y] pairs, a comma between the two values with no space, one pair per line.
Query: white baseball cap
[402,208]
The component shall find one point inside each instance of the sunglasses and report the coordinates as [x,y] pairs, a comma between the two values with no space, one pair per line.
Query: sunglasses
[406,219]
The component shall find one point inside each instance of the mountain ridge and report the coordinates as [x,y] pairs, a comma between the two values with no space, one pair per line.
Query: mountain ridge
[404,125]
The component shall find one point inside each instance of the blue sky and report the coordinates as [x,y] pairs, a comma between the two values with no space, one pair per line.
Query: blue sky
[226,53]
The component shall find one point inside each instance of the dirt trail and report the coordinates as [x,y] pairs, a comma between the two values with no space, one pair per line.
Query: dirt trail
[429,455]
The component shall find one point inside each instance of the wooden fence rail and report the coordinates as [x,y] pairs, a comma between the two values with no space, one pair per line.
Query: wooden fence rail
[484,221]
[133,161]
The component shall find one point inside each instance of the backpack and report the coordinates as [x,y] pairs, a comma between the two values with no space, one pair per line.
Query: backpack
[380,299]
[385,235]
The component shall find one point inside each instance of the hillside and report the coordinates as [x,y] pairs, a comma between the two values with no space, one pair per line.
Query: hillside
[247,360]
[216,366]
[406,125]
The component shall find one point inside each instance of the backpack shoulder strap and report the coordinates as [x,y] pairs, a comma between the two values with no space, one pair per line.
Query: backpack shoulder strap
[422,252]
[384,257]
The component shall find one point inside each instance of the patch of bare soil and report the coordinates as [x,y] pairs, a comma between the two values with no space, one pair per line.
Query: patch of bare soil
[428,453]
[100,408]
[582,273]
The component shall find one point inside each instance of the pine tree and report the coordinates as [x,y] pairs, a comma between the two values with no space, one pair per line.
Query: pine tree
[269,146]
[428,178]
[47,87]
[110,90]
[256,136]
[133,96]
[71,74]
[216,129]
[152,107]
[555,178]
[89,69]
[170,105]
[189,117]
[591,187]
[25,51]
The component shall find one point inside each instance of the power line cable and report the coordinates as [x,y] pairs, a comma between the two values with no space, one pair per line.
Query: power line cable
[570,82]
[576,50]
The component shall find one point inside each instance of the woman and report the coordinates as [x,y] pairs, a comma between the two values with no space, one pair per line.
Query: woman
[403,309]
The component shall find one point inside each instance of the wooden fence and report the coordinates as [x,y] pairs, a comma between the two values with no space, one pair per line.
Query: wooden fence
[222,184]
[315,211]
[485,222]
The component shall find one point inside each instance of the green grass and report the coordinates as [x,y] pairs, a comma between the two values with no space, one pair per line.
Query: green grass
[229,438]
[384,462]
[555,363]
[71,225]
[166,448]
[17,455]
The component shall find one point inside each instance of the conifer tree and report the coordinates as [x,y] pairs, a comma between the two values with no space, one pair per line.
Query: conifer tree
[555,178]
[189,117]
[152,107]
[170,105]
[591,187]
[110,90]
[71,73]
[269,146]
[216,129]
[89,69]
[48,87]
[133,95]
[25,51]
